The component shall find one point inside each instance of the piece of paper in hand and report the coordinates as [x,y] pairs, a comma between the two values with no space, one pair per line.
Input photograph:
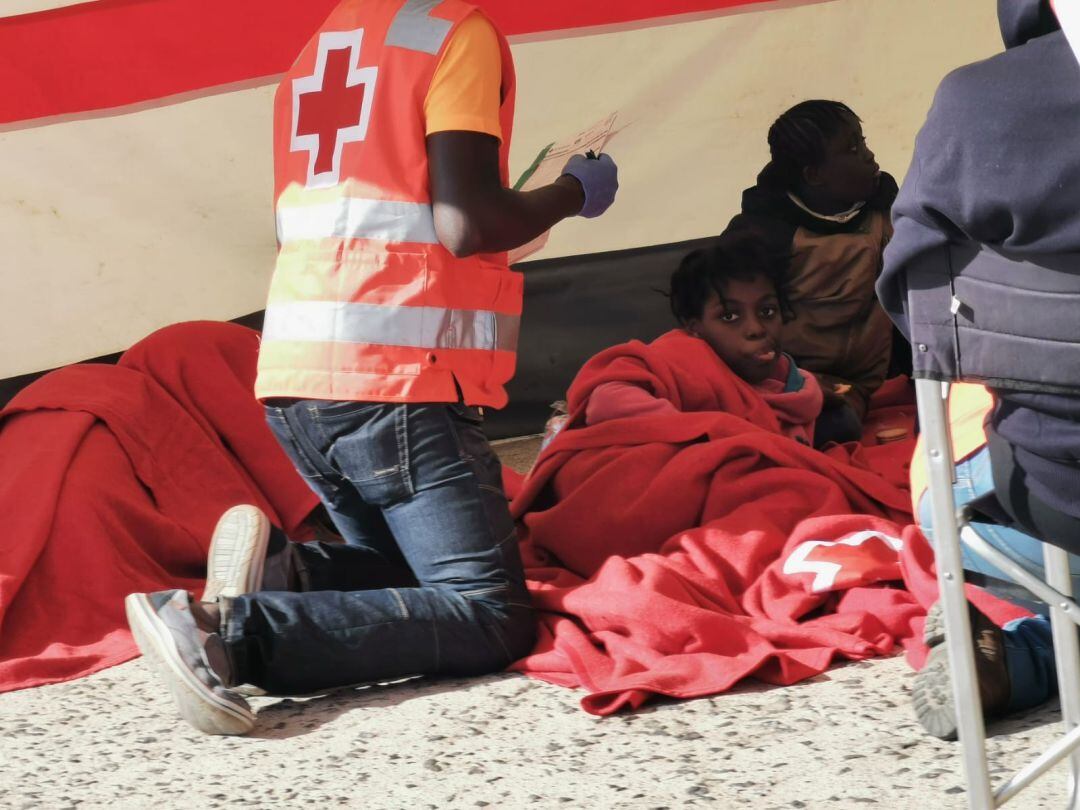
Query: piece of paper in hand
[547,166]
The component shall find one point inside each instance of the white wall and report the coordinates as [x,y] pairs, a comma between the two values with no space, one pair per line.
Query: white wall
[114,226]
[12,8]
[687,156]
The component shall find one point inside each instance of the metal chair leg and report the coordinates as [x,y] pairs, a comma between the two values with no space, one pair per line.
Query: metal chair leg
[933,417]
[1067,656]
[1065,613]
[1055,591]
[1018,574]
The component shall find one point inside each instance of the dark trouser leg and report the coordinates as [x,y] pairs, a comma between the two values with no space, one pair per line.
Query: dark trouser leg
[1029,652]
[330,567]
[1030,513]
[1029,656]
[1030,644]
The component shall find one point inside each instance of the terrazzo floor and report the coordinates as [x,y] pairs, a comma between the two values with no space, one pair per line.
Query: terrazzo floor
[846,739]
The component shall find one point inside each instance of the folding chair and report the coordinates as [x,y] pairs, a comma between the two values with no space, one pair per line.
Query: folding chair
[976,354]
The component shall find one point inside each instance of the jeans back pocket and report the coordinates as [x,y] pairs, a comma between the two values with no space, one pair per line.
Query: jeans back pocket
[368,445]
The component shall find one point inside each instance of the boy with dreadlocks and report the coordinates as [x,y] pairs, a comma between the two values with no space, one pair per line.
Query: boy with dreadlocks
[823,202]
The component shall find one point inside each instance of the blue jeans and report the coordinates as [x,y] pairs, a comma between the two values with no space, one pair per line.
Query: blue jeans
[1029,648]
[413,488]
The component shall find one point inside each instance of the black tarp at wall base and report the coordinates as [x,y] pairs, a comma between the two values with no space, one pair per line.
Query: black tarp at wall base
[575,306]
[10,386]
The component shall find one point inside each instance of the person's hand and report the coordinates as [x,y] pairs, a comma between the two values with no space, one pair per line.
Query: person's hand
[834,393]
[599,178]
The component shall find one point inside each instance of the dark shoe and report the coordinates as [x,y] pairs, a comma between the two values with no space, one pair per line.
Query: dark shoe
[234,565]
[172,645]
[932,694]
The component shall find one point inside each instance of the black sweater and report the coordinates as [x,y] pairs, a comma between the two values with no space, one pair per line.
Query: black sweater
[998,163]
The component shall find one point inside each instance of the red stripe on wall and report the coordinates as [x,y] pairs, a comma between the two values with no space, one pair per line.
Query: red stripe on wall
[117,52]
[516,17]
[113,53]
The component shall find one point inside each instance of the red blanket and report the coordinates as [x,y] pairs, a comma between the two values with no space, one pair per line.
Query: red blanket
[671,556]
[677,553]
[111,481]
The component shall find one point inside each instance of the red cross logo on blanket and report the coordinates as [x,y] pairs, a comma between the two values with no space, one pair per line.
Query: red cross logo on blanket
[860,558]
[332,106]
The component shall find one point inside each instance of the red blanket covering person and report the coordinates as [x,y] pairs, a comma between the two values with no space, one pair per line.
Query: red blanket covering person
[679,551]
[793,395]
[111,481]
[671,553]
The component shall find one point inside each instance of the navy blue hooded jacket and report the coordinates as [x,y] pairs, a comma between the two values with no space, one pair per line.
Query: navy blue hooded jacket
[983,270]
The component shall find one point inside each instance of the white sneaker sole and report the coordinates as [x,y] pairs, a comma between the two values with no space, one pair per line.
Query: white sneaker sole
[932,696]
[198,705]
[934,629]
[234,564]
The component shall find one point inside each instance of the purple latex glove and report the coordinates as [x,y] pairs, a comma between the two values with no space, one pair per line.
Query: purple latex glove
[599,178]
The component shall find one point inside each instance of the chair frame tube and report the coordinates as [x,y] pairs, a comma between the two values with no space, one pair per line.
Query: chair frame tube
[932,399]
[949,531]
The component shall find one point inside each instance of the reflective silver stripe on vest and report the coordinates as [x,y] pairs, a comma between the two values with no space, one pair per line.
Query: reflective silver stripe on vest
[415,29]
[418,327]
[354,218]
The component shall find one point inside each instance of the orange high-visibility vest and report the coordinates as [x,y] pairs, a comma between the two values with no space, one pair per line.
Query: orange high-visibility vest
[365,303]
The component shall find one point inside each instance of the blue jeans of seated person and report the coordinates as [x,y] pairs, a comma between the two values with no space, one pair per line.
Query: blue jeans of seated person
[412,487]
[1029,648]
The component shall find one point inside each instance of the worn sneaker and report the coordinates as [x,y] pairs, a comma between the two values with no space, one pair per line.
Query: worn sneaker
[234,565]
[932,694]
[172,645]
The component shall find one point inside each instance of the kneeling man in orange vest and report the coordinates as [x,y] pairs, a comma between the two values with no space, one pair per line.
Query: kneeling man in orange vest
[392,321]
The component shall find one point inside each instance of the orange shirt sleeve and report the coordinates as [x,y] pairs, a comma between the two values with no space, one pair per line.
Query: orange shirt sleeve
[465,92]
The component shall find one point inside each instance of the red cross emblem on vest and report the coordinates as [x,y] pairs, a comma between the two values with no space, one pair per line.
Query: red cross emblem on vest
[332,106]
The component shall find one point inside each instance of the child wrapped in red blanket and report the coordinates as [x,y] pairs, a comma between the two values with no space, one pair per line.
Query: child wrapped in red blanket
[681,533]
[728,304]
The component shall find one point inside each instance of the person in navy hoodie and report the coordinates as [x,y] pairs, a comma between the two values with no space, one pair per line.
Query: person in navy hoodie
[996,171]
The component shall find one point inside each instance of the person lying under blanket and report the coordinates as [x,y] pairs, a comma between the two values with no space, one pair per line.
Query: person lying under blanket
[112,478]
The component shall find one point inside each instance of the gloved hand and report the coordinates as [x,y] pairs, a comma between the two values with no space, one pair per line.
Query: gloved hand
[599,178]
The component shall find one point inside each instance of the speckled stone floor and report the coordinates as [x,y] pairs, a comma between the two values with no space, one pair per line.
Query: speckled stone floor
[845,739]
